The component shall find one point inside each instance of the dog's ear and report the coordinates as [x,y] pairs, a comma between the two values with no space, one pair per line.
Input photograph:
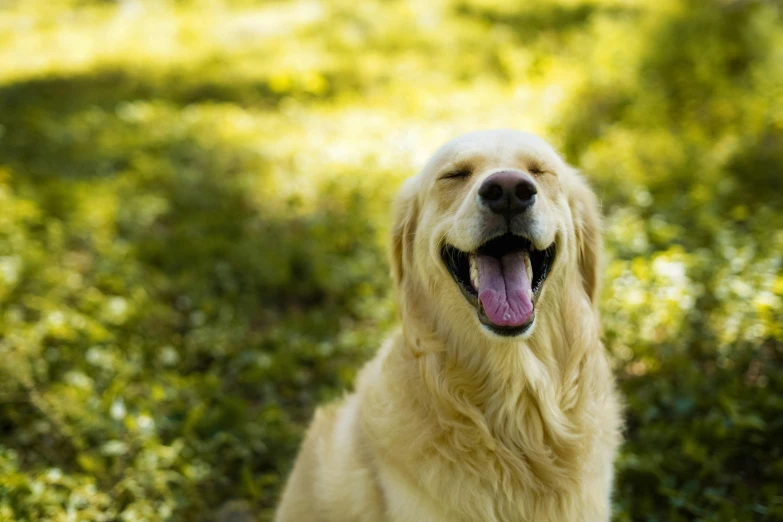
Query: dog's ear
[406,214]
[589,242]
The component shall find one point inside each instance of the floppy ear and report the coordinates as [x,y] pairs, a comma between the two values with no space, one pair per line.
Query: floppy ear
[406,214]
[589,243]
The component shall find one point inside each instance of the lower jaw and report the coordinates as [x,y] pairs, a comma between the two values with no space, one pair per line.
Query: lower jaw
[506,331]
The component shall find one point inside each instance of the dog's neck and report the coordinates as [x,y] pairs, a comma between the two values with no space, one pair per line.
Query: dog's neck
[510,398]
[545,369]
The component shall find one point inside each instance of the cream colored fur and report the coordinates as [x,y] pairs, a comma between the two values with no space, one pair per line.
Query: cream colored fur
[450,422]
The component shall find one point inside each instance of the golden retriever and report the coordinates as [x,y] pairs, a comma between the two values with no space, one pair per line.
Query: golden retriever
[495,400]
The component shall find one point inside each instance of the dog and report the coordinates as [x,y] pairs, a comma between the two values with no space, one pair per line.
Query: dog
[494,401]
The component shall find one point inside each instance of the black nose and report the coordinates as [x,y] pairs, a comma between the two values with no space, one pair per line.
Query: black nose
[507,193]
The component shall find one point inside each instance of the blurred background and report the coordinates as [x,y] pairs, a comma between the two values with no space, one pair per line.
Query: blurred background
[194,202]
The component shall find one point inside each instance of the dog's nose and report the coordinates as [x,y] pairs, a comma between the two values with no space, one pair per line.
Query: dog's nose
[507,193]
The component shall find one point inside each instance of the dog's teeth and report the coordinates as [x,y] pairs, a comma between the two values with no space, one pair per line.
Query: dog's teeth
[474,273]
[528,267]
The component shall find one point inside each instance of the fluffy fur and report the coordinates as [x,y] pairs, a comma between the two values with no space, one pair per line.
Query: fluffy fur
[450,422]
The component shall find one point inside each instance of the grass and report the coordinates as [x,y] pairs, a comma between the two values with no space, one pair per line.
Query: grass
[195,206]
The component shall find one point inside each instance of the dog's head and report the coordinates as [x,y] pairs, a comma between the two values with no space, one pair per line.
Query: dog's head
[493,231]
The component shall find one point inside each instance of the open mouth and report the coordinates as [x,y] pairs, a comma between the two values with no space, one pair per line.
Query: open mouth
[502,279]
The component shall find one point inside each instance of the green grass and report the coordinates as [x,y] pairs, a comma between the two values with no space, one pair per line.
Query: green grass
[195,200]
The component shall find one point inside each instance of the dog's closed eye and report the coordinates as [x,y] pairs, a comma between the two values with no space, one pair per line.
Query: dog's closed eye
[537,168]
[457,172]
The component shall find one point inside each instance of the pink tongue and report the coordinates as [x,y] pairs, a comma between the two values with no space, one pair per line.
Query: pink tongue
[504,288]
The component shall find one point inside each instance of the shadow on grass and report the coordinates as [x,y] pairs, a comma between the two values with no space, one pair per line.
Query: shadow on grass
[50,127]
[35,113]
[536,20]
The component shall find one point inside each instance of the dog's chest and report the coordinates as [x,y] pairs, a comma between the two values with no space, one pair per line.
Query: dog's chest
[458,497]
[406,501]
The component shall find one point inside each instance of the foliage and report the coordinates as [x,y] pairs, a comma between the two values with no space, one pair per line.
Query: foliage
[195,201]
